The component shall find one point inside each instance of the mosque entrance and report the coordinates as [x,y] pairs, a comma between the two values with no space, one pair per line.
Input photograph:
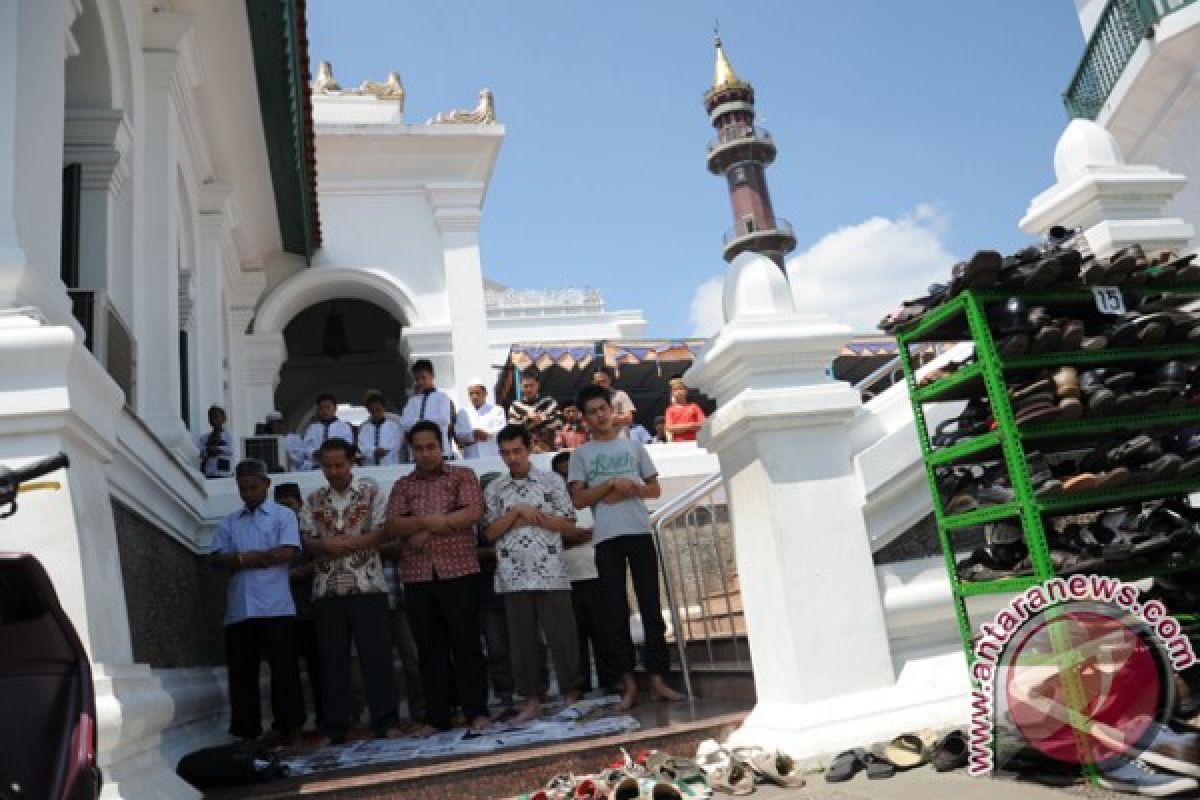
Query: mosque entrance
[342,346]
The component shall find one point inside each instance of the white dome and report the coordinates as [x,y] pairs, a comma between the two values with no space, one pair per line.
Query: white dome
[1085,144]
[756,287]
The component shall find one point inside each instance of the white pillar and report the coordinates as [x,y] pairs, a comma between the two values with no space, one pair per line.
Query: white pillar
[457,214]
[168,73]
[814,615]
[261,358]
[1116,204]
[34,42]
[98,140]
[214,251]
[65,401]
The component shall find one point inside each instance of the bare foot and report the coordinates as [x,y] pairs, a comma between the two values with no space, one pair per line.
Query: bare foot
[480,724]
[664,692]
[629,692]
[424,730]
[530,710]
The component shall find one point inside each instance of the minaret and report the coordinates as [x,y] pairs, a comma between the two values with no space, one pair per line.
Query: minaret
[742,150]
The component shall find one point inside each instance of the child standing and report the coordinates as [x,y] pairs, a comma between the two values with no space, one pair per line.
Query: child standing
[614,477]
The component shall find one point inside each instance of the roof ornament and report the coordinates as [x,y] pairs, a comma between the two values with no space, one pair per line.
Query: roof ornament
[724,75]
[325,81]
[390,89]
[483,114]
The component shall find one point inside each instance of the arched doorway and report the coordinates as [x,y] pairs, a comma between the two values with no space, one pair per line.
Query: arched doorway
[344,346]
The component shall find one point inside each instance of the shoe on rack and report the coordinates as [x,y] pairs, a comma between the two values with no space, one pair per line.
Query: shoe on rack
[1044,386]
[976,496]
[1012,317]
[1138,777]
[1072,335]
[1066,383]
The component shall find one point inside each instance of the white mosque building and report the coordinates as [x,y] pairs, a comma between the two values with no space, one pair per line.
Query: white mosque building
[186,221]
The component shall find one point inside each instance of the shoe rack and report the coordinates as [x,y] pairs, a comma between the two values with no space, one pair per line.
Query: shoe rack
[965,318]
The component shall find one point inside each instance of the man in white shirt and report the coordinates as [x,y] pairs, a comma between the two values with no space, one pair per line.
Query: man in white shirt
[216,446]
[293,443]
[428,402]
[379,437]
[478,423]
[325,427]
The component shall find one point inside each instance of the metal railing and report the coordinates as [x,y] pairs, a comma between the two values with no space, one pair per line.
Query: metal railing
[694,538]
[781,226]
[1120,29]
[739,133]
[688,532]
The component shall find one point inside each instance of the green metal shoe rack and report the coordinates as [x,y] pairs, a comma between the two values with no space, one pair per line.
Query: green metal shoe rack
[964,318]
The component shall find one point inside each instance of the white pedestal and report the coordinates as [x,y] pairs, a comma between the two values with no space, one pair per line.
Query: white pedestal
[814,615]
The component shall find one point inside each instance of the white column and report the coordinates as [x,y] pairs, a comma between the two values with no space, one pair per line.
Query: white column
[98,140]
[168,73]
[814,615]
[457,215]
[66,402]
[214,251]
[262,356]
[1116,204]
[34,41]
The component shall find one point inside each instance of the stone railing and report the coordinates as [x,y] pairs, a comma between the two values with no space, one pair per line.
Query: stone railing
[541,300]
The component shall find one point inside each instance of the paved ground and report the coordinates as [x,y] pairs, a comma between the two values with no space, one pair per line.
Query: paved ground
[925,784]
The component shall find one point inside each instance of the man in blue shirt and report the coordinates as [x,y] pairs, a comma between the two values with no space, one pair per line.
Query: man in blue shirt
[255,544]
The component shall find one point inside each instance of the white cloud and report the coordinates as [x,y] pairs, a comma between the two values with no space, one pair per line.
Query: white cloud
[855,274]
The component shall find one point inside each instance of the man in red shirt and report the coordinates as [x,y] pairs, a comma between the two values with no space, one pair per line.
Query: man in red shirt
[683,418]
[573,432]
[434,510]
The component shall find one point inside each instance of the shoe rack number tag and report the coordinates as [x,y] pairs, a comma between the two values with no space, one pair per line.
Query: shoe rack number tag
[1109,299]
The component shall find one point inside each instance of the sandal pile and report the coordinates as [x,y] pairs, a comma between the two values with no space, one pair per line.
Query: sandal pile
[650,775]
[906,751]
[738,770]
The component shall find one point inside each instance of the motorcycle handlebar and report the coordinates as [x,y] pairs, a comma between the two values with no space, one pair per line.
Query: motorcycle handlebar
[35,470]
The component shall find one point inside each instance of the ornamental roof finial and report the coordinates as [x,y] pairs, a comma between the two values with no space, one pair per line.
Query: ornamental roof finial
[724,73]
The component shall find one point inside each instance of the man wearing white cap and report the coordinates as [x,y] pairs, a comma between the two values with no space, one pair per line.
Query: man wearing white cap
[478,423]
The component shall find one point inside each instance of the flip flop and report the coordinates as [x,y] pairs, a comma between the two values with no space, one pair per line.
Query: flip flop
[910,750]
[845,765]
[778,768]
[878,768]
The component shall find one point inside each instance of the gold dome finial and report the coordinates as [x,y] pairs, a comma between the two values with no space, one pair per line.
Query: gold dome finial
[724,72]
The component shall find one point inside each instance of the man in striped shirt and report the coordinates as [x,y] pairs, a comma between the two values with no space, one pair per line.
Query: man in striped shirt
[539,415]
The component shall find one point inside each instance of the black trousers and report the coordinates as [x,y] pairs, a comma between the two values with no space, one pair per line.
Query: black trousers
[634,554]
[310,654]
[366,620]
[444,615]
[593,627]
[246,644]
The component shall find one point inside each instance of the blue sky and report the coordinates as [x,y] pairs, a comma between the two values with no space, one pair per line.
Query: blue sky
[910,133]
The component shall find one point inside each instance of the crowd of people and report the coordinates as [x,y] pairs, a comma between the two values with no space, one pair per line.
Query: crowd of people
[467,580]
[467,432]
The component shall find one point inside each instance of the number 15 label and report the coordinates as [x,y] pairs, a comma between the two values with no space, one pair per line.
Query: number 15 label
[1109,299]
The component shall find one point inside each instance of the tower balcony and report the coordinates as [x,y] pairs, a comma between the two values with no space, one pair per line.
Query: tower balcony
[740,143]
[1124,28]
[746,236]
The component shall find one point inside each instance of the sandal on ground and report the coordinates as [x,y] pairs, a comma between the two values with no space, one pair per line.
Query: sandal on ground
[950,752]
[879,768]
[845,765]
[778,768]
[910,750]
